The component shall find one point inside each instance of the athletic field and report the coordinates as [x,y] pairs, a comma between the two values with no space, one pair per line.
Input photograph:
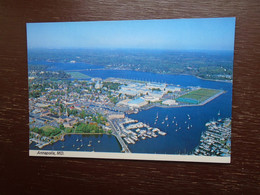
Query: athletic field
[197,96]
[78,75]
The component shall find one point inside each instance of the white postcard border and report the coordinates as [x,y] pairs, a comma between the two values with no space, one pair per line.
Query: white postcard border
[130,156]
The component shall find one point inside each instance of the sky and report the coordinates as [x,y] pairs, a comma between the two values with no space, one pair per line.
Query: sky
[174,34]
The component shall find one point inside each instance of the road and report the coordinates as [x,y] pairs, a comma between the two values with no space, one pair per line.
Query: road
[115,131]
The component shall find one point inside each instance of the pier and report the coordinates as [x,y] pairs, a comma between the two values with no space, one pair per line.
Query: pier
[115,132]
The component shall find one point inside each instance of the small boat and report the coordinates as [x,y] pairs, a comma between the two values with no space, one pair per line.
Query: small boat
[98,141]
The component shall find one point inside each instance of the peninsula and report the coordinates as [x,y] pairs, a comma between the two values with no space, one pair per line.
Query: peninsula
[60,105]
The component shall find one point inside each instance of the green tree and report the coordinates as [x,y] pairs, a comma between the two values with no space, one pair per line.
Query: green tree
[83,114]
[62,127]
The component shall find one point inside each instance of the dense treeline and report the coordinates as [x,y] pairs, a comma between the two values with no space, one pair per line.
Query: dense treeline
[88,128]
[47,131]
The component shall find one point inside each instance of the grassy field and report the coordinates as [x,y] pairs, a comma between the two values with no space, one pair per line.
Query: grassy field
[78,75]
[197,96]
[50,131]
[48,128]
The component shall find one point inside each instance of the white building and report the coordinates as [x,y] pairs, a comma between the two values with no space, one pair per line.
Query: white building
[172,89]
[151,98]
[160,86]
[123,102]
[156,94]
[170,102]
[137,103]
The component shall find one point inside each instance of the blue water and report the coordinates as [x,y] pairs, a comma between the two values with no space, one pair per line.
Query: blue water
[55,66]
[182,141]
[97,143]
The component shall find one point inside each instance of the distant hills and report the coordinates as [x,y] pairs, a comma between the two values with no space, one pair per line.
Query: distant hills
[205,64]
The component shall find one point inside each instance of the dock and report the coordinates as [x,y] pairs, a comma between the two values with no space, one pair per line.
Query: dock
[115,131]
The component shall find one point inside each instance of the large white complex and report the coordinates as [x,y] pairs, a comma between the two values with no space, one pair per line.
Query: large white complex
[137,103]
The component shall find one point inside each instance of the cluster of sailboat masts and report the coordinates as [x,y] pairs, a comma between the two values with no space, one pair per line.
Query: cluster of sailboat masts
[174,121]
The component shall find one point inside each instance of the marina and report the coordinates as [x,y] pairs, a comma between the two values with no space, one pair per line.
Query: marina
[182,125]
[216,140]
[133,131]
[89,143]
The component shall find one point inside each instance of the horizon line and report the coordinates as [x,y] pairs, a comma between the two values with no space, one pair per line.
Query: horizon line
[162,49]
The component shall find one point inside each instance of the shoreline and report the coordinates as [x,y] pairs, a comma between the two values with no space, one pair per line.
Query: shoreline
[87,134]
[61,138]
[224,81]
[186,105]
[216,80]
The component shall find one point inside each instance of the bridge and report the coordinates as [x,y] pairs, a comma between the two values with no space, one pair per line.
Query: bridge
[115,131]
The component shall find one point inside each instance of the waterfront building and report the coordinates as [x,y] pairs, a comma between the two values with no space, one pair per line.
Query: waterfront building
[169,102]
[137,103]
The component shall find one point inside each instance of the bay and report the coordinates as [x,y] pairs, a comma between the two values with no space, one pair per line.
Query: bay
[77,142]
[179,139]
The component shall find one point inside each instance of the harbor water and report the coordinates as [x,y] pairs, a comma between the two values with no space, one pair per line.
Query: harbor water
[183,125]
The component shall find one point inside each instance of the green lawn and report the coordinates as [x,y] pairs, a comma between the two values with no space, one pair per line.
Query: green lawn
[47,129]
[197,96]
[50,131]
[78,75]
